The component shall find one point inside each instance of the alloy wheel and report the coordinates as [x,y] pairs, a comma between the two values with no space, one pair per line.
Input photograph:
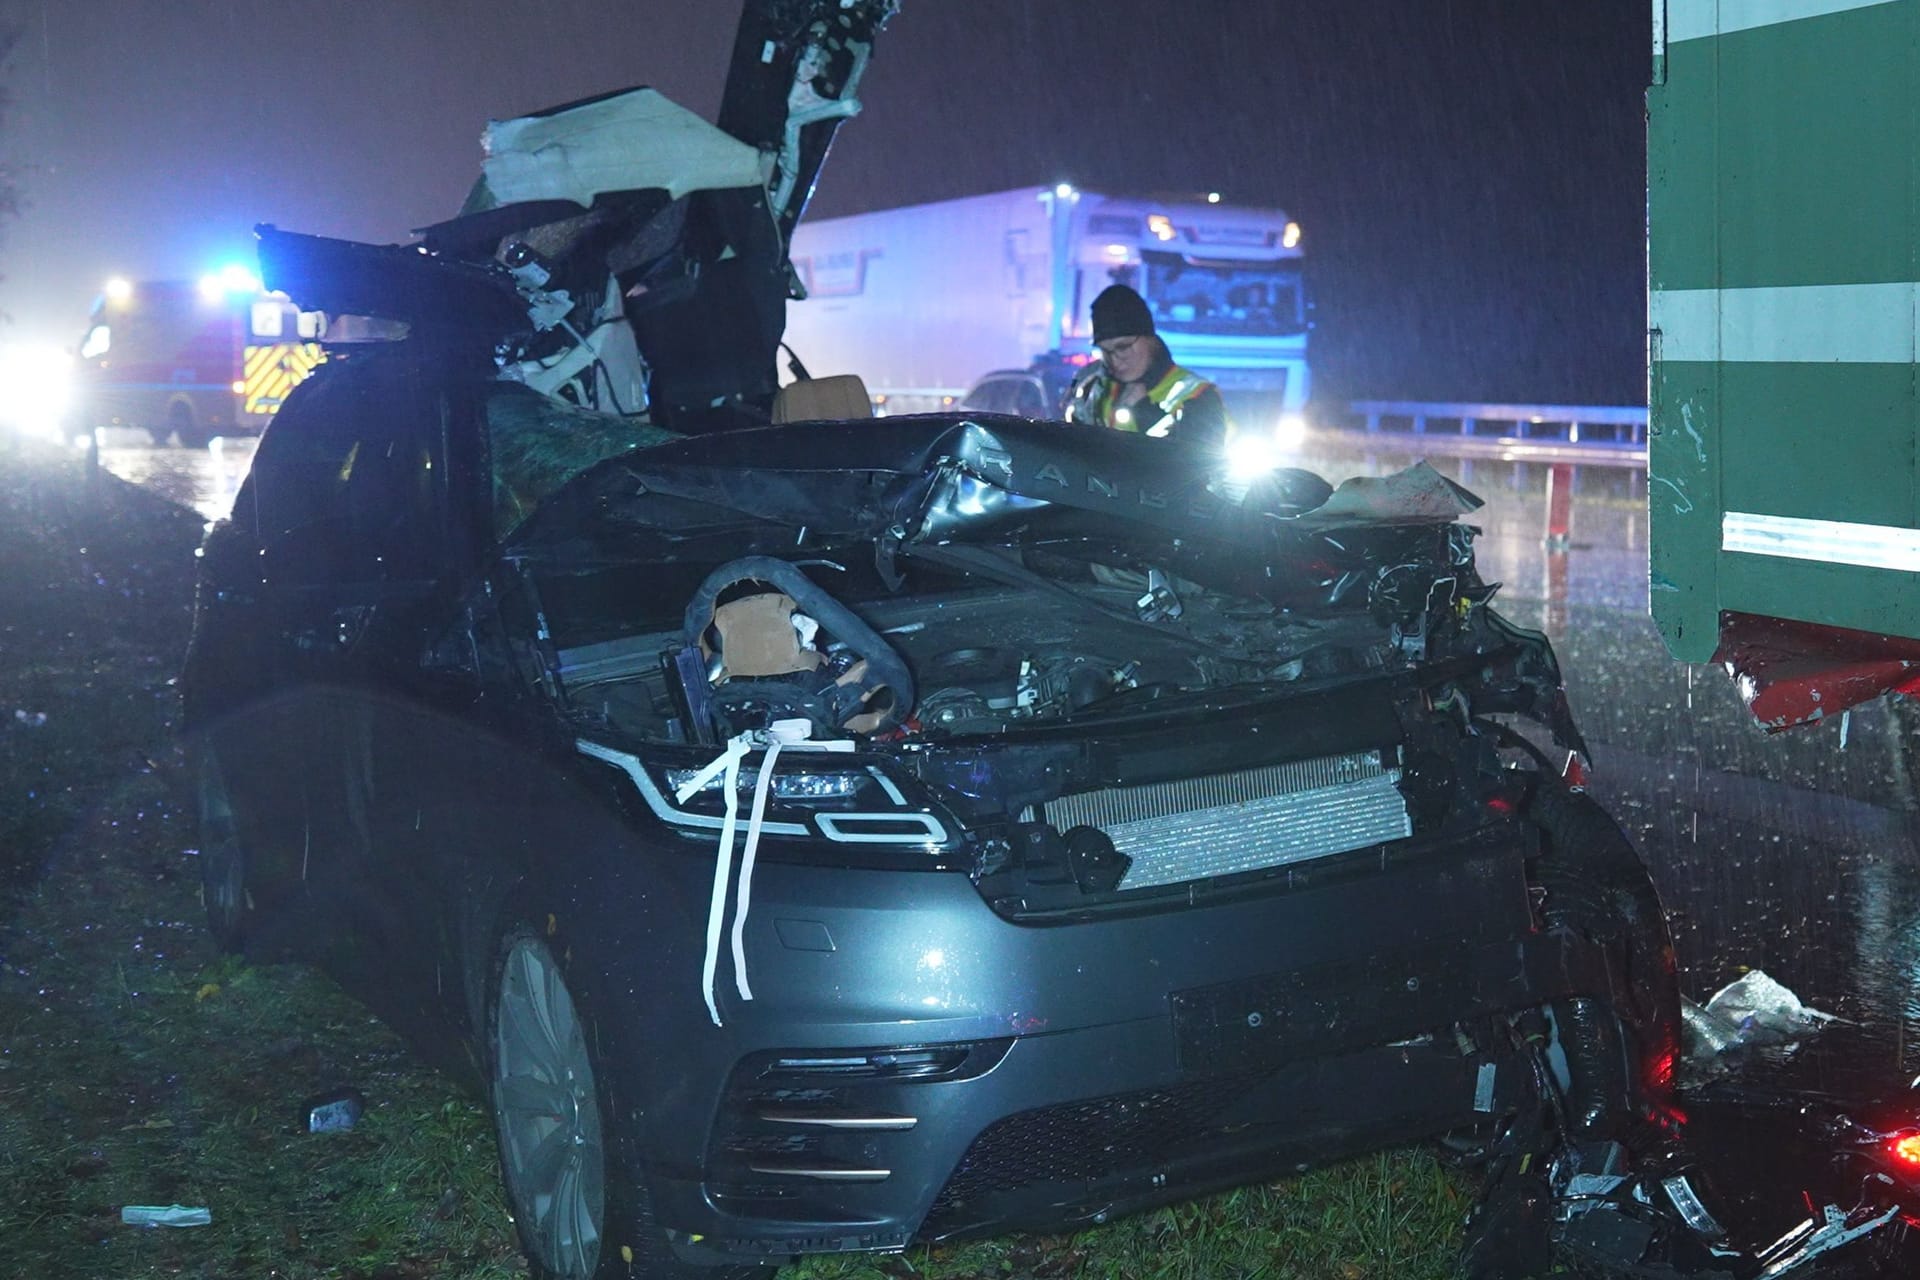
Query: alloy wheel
[551,1149]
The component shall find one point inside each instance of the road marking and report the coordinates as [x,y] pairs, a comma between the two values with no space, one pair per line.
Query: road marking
[1698,19]
[1796,324]
[1872,546]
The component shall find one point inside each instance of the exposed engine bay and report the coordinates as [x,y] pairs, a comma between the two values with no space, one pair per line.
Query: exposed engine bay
[1093,701]
[981,661]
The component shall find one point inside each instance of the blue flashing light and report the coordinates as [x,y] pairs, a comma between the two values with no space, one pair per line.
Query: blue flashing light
[234,278]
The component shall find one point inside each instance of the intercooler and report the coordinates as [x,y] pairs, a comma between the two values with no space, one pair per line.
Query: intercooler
[1228,823]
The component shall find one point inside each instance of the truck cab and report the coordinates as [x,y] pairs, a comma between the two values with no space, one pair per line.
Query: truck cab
[1224,284]
[925,302]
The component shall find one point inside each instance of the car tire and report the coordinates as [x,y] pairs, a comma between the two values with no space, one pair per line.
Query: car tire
[1596,883]
[192,434]
[565,1175]
[223,863]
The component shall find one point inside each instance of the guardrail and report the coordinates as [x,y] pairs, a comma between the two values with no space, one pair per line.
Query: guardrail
[1551,434]
[1568,423]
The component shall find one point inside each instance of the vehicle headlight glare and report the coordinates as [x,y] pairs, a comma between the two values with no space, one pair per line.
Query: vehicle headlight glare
[1252,454]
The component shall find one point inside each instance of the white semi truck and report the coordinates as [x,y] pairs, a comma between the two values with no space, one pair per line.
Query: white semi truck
[924,301]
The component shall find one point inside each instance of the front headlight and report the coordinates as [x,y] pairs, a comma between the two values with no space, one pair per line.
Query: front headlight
[783,785]
[1251,454]
[839,799]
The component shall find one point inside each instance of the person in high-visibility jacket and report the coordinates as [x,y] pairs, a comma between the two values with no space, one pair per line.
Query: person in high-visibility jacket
[1136,386]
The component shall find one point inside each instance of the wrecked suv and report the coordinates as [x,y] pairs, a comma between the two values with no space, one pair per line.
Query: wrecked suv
[845,834]
[826,836]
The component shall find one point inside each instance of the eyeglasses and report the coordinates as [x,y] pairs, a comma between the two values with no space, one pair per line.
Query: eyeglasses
[1119,348]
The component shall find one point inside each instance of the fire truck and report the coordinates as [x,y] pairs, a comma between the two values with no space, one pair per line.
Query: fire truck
[192,359]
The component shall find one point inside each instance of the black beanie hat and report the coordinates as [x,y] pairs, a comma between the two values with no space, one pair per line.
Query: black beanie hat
[1119,312]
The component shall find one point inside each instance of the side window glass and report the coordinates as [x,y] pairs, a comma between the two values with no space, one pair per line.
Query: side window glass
[391,494]
[1030,403]
[299,473]
[345,485]
[990,397]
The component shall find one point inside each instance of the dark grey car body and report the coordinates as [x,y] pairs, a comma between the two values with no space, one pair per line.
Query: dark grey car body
[433,722]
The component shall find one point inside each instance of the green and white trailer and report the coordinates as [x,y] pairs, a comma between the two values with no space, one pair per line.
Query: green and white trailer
[1783,250]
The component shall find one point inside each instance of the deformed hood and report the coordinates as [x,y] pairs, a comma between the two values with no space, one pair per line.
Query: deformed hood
[943,478]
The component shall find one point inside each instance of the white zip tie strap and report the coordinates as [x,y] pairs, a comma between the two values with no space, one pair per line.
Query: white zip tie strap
[744,899]
[728,767]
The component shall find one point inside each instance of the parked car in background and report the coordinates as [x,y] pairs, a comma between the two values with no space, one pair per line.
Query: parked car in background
[1039,391]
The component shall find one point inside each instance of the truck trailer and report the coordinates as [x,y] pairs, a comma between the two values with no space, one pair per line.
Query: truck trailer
[1784,513]
[924,301]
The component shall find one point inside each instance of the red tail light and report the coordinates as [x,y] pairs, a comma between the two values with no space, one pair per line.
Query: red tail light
[1905,1150]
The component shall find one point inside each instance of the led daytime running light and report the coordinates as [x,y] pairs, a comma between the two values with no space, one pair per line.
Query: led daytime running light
[784,786]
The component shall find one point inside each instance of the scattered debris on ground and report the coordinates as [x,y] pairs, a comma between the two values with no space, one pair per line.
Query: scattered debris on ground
[131,1053]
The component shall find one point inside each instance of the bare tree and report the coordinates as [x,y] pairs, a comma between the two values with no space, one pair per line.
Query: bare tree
[10,198]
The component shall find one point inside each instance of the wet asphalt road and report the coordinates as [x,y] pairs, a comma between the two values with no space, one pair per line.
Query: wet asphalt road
[1794,853]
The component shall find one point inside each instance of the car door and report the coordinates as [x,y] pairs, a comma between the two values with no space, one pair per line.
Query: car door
[347,526]
[384,720]
[263,608]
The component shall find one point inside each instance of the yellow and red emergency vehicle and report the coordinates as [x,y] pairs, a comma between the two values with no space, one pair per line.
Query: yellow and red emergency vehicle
[193,359]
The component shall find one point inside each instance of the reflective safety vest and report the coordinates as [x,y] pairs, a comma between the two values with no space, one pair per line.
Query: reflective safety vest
[1158,410]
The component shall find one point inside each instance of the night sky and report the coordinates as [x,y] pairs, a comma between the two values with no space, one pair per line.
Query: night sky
[1468,172]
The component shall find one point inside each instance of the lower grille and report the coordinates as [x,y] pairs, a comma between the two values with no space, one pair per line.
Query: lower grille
[1248,821]
[793,1122]
[1084,1141]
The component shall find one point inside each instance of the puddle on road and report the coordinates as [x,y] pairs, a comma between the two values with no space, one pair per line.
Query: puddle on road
[204,479]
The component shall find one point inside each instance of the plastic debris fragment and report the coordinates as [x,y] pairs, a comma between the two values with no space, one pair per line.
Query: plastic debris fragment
[334,1111]
[1764,1011]
[1752,1011]
[1805,1243]
[169,1215]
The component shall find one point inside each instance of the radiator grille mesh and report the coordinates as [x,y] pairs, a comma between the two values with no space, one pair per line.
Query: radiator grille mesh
[1247,821]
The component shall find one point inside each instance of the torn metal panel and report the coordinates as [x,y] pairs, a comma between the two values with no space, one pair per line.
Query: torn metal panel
[794,77]
[442,299]
[1793,673]
[1417,492]
[632,140]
